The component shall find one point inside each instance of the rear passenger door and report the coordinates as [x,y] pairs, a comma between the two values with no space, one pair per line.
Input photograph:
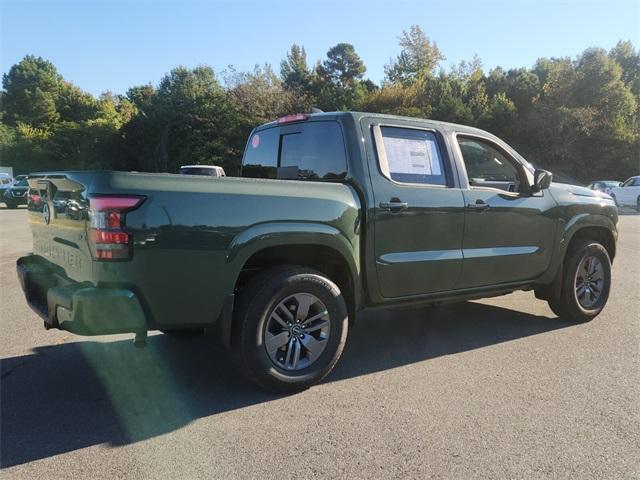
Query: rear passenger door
[418,211]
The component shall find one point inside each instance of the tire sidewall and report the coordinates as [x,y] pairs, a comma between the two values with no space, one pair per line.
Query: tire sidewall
[253,352]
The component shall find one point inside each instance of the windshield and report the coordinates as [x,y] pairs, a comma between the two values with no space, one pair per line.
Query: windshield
[21,183]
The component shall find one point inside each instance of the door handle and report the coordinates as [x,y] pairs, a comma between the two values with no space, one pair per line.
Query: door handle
[479,206]
[394,205]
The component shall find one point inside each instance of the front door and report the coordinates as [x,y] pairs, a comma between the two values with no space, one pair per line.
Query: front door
[509,235]
[418,212]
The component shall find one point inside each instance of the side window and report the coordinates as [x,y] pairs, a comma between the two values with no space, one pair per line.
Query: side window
[412,156]
[487,166]
[313,150]
[261,155]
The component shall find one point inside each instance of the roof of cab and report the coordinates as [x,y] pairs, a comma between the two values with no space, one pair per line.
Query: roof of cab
[357,116]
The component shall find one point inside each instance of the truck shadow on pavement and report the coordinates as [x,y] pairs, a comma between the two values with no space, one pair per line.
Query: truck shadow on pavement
[74,395]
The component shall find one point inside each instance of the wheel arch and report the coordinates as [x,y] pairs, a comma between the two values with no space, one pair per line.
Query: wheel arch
[317,246]
[600,228]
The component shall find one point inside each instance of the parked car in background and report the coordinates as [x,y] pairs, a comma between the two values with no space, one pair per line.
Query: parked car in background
[604,186]
[628,194]
[206,170]
[336,212]
[6,181]
[16,194]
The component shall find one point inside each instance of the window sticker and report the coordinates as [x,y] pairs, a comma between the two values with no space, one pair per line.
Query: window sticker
[255,141]
[412,156]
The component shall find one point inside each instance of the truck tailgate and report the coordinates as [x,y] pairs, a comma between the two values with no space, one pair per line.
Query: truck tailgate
[58,217]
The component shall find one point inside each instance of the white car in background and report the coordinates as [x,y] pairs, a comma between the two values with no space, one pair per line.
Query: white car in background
[604,186]
[207,170]
[628,194]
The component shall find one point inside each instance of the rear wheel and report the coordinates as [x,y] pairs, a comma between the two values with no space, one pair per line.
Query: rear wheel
[586,281]
[290,328]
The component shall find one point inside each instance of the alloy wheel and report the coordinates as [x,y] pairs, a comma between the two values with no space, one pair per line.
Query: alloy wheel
[297,331]
[589,281]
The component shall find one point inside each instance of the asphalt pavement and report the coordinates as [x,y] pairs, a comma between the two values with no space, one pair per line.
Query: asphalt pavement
[499,388]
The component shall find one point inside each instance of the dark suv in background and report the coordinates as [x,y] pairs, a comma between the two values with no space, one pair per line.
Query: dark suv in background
[16,194]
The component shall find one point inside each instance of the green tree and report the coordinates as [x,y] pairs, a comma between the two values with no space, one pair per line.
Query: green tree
[343,66]
[419,57]
[294,70]
[625,55]
[337,83]
[31,88]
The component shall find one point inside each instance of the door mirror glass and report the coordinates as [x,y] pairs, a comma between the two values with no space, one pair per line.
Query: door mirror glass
[541,180]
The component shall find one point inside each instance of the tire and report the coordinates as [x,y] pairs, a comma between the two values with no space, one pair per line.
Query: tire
[268,314]
[578,302]
[184,332]
[11,206]
[638,204]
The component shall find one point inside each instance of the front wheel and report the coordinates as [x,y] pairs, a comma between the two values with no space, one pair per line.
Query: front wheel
[638,204]
[11,205]
[586,282]
[291,327]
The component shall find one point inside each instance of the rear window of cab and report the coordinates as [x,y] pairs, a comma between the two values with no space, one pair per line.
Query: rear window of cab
[302,151]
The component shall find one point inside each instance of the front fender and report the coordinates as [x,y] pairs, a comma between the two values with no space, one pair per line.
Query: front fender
[587,220]
[568,229]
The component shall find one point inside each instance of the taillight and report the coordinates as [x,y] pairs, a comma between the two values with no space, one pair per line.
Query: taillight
[107,235]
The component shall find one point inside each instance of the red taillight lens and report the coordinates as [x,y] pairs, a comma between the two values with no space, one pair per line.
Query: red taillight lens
[109,240]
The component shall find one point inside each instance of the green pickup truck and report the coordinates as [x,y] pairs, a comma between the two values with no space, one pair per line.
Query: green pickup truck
[334,212]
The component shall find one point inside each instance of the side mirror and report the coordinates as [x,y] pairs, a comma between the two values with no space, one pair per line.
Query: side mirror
[541,180]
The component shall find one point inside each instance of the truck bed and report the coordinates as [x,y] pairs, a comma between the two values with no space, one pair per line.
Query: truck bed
[190,236]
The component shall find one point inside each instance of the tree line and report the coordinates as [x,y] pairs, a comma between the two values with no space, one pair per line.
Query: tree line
[576,116]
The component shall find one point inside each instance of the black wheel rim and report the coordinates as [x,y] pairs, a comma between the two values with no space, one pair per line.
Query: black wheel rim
[589,281]
[297,331]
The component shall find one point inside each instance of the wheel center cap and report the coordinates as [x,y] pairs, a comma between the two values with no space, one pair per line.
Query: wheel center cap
[295,330]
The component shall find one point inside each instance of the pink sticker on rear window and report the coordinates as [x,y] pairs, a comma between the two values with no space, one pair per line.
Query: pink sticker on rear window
[255,141]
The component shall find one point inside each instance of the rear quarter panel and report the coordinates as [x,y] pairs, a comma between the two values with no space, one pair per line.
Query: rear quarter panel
[192,236]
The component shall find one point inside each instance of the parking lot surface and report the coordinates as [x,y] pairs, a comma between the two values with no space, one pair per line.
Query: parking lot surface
[490,389]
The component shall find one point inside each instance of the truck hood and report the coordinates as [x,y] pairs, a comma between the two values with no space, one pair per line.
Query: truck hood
[581,191]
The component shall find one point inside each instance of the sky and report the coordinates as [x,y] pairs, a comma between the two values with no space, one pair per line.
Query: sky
[113,45]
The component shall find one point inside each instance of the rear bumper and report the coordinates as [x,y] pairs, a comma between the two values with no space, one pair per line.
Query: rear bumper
[76,307]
